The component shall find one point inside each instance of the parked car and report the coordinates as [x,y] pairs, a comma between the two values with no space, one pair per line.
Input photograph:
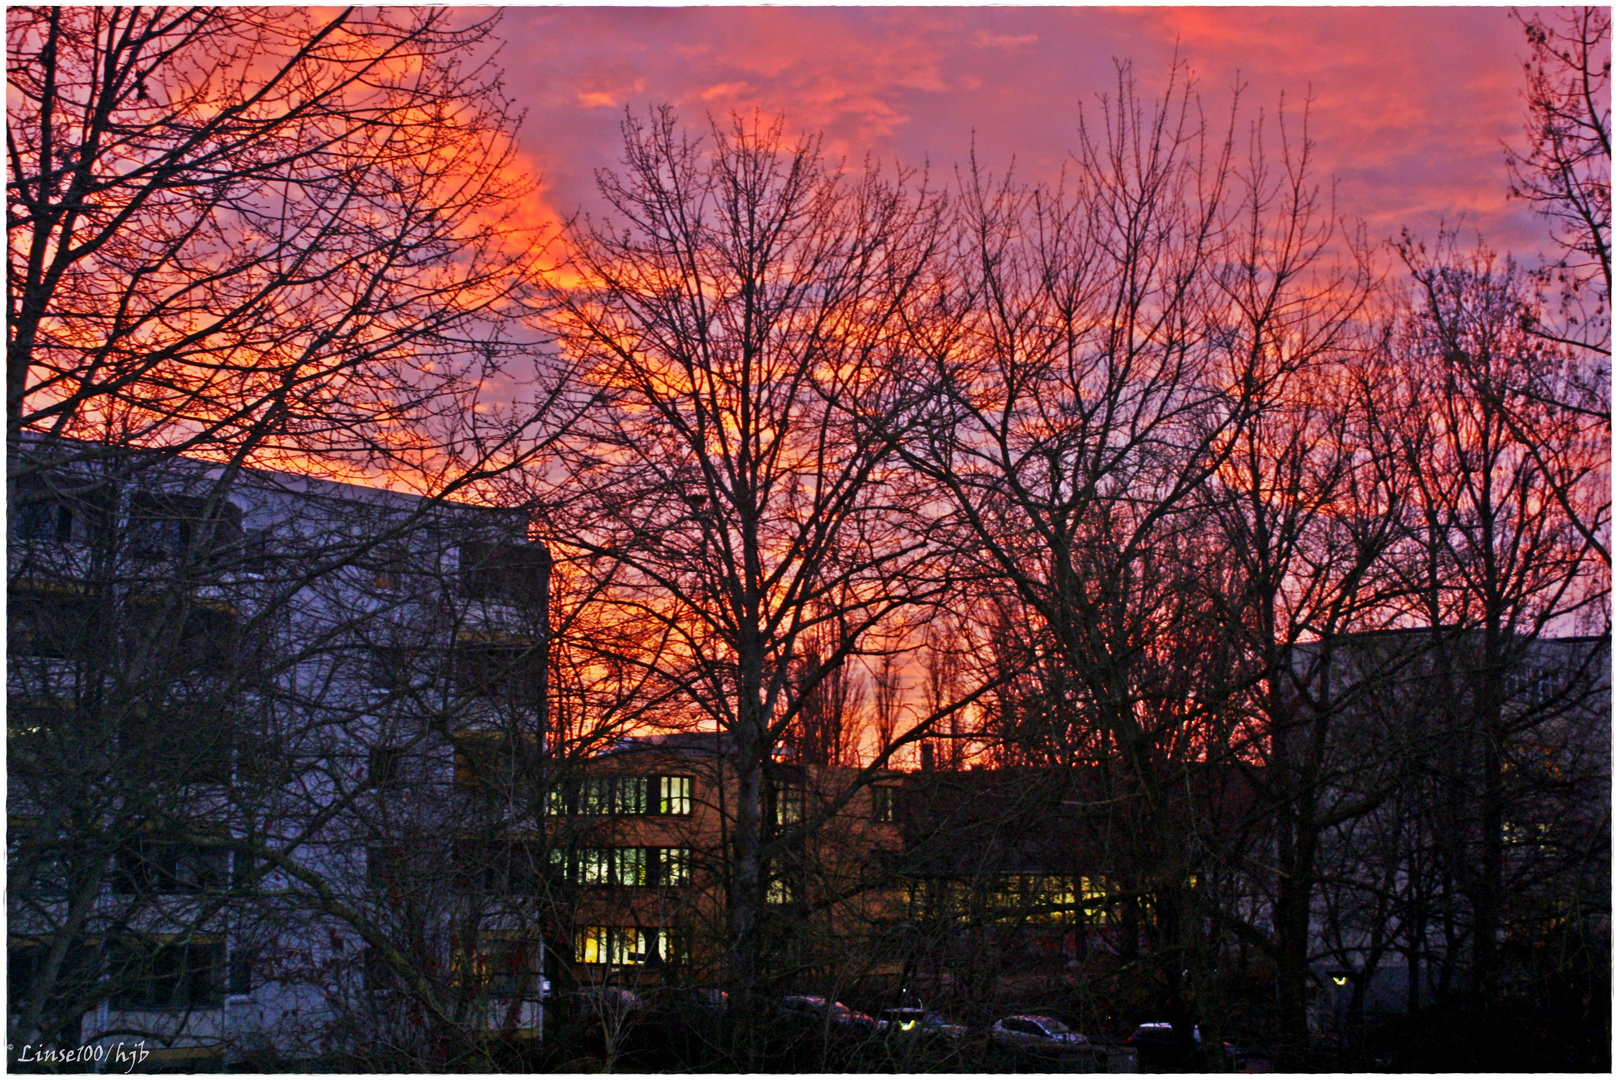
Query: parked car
[805,1007]
[609,1001]
[690,999]
[1159,1048]
[919,1023]
[1034,1033]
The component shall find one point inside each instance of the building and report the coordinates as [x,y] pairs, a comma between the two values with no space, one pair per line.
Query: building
[643,831]
[230,695]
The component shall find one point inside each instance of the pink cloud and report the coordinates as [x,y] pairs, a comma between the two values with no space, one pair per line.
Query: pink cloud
[1408,107]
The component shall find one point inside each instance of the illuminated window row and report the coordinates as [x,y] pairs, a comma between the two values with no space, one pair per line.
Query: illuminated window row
[604,795]
[1020,897]
[629,945]
[633,866]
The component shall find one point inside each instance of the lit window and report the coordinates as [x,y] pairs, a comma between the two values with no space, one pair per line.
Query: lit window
[613,795]
[789,805]
[629,945]
[674,865]
[674,794]
[629,866]
[595,866]
[779,891]
[590,945]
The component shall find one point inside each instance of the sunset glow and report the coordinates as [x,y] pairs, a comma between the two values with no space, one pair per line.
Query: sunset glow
[1409,108]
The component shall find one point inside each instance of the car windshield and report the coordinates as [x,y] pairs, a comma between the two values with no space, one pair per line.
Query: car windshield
[1054,1027]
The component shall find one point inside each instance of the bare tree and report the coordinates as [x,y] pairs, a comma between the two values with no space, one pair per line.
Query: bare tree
[1109,348]
[1566,172]
[1501,558]
[737,325]
[261,236]
[253,238]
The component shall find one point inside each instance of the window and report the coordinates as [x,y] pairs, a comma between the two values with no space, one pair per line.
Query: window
[497,867]
[629,945]
[149,973]
[1532,686]
[56,510]
[189,635]
[244,876]
[674,795]
[778,890]
[490,761]
[629,866]
[383,770]
[671,865]
[24,958]
[239,978]
[43,519]
[378,974]
[613,795]
[613,866]
[500,967]
[556,801]
[161,867]
[789,805]
[505,667]
[57,622]
[257,552]
[882,804]
[386,868]
[595,866]
[510,573]
[396,669]
[169,526]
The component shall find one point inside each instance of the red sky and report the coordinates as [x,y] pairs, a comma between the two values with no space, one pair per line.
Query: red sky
[1410,109]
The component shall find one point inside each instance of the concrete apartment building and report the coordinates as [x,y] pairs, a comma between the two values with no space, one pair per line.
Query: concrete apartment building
[228,693]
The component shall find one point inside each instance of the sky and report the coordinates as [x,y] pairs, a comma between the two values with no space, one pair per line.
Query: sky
[1409,108]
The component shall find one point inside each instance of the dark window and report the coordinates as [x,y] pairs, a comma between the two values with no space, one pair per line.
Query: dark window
[243,872]
[257,553]
[56,510]
[59,622]
[511,573]
[148,974]
[164,867]
[240,976]
[493,762]
[185,635]
[384,769]
[399,669]
[510,670]
[385,867]
[79,971]
[183,745]
[497,867]
[44,519]
[378,974]
[170,526]
[882,804]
